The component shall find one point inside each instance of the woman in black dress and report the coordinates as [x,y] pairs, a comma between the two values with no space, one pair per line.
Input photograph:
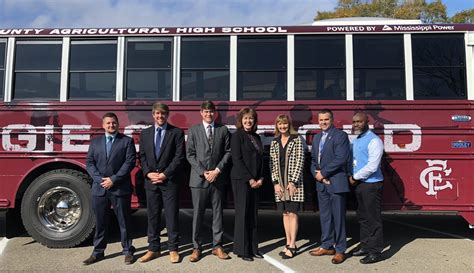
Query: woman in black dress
[247,177]
[286,165]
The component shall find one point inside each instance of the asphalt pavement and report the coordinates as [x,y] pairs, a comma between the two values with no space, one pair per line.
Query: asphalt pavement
[414,243]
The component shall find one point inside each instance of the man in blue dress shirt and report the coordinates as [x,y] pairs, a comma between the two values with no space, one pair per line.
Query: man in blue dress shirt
[367,151]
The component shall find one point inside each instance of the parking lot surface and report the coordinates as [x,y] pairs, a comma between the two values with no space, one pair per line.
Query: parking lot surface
[414,243]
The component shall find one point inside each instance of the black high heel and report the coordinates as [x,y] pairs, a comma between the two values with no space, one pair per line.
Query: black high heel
[292,250]
[283,251]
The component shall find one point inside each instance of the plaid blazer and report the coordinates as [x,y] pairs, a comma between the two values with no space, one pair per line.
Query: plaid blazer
[294,161]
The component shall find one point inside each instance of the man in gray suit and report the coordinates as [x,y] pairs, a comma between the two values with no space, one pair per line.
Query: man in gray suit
[208,152]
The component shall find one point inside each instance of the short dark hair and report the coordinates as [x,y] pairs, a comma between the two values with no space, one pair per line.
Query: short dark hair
[240,115]
[161,107]
[208,105]
[326,111]
[110,115]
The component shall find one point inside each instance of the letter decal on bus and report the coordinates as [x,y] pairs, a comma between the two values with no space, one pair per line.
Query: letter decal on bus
[390,146]
[27,140]
[431,181]
[69,138]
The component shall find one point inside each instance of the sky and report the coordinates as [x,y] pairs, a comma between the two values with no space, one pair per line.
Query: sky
[168,13]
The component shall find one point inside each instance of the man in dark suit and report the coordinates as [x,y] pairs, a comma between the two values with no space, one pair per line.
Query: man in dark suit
[329,161]
[109,162]
[162,157]
[208,152]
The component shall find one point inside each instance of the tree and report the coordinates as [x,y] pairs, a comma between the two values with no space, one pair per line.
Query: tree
[433,12]
[466,16]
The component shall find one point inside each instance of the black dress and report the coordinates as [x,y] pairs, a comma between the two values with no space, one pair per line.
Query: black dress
[286,206]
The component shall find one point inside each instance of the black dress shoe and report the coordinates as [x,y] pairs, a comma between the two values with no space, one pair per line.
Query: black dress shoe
[92,259]
[360,252]
[371,258]
[258,255]
[246,258]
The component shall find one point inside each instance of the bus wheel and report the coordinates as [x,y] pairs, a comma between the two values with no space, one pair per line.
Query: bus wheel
[57,209]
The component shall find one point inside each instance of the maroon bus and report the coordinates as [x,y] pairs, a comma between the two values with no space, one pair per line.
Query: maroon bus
[416,82]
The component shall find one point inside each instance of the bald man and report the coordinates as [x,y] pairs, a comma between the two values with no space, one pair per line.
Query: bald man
[367,177]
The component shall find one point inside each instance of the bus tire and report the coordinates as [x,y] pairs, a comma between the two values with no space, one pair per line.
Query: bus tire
[57,209]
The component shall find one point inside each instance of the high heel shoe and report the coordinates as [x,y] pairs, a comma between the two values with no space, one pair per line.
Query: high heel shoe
[292,250]
[284,250]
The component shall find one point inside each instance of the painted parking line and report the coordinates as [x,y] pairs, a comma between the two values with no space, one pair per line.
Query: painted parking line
[429,229]
[266,258]
[3,245]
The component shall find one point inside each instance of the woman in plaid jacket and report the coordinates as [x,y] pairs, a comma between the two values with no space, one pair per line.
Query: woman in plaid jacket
[286,164]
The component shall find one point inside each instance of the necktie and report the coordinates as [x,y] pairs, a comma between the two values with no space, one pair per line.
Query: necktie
[209,135]
[108,145]
[157,143]
[321,143]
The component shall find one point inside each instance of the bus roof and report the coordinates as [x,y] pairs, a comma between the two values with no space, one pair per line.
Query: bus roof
[340,26]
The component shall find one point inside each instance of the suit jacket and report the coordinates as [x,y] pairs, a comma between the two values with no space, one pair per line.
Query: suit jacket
[171,158]
[333,162]
[118,166]
[202,157]
[247,161]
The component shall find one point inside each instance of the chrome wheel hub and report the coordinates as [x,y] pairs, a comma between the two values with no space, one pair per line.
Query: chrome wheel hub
[59,209]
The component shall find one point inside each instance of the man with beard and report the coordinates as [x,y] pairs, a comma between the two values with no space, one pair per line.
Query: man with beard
[367,151]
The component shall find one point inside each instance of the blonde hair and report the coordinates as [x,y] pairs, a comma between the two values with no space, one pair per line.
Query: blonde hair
[286,120]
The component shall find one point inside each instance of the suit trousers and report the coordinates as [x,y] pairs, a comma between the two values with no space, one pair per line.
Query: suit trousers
[200,197]
[245,225]
[332,211]
[165,196]
[369,216]
[102,211]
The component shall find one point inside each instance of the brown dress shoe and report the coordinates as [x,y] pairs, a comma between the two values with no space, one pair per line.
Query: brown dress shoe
[92,259]
[319,251]
[220,253]
[174,256]
[128,259]
[195,256]
[149,255]
[338,258]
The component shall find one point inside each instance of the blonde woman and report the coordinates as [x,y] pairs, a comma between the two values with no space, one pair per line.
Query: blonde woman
[286,164]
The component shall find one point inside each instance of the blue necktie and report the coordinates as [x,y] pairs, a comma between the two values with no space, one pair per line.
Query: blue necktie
[322,141]
[108,145]
[321,145]
[157,143]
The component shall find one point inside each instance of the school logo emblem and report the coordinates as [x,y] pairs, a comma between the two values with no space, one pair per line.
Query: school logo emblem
[434,177]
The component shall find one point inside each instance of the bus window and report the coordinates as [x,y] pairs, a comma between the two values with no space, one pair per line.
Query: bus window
[2,67]
[37,70]
[379,69]
[92,70]
[320,67]
[149,69]
[439,68]
[205,68]
[261,68]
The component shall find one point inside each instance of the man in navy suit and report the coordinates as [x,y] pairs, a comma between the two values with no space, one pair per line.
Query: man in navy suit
[109,162]
[162,156]
[329,166]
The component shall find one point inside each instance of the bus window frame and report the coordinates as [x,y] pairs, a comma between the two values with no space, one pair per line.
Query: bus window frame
[211,69]
[3,68]
[126,69]
[94,41]
[15,71]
